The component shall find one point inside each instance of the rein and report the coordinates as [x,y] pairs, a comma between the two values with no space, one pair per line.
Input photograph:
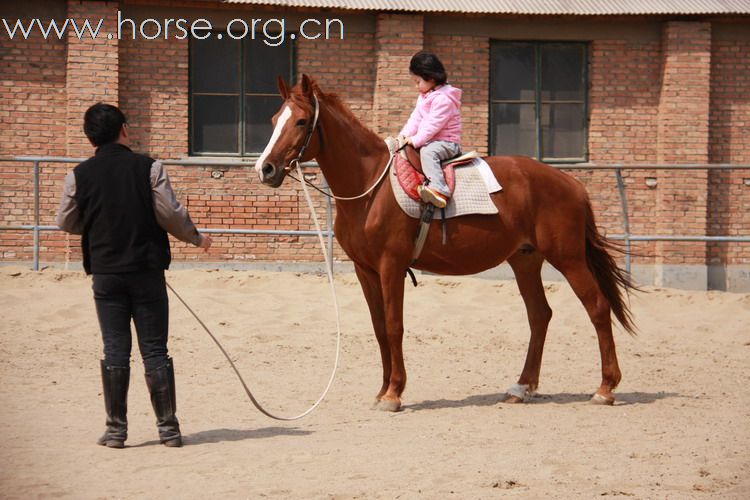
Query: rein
[295,163]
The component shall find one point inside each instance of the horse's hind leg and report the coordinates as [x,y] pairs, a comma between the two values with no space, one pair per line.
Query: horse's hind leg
[370,282]
[599,310]
[527,268]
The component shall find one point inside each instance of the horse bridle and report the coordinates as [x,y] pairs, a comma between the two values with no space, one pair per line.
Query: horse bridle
[306,143]
[308,137]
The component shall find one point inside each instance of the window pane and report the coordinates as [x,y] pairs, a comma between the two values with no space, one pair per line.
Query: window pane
[563,128]
[513,129]
[216,124]
[215,65]
[263,64]
[563,72]
[258,127]
[513,72]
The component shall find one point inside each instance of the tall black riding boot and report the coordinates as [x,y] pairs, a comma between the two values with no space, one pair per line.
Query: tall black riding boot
[115,382]
[160,384]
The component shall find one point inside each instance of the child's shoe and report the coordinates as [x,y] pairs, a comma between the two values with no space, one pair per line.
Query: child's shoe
[430,196]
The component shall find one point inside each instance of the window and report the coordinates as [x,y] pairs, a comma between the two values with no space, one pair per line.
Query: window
[233,93]
[538,100]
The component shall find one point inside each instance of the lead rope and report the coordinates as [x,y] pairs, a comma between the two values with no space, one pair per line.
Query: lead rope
[329,272]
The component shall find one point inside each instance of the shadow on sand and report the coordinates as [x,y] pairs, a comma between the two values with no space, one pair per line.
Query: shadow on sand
[623,398]
[222,435]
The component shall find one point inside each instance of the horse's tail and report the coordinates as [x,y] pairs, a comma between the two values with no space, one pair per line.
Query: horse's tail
[612,280]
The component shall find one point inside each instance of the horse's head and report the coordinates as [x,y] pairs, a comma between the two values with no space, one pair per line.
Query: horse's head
[293,130]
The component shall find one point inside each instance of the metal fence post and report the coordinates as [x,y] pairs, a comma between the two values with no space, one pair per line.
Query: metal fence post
[329,223]
[36,215]
[625,217]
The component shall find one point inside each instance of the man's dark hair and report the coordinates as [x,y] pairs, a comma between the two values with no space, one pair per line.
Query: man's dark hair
[427,66]
[102,123]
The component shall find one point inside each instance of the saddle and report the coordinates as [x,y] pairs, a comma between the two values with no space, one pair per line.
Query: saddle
[472,196]
[408,168]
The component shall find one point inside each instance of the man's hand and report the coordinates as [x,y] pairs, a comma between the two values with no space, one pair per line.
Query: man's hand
[206,241]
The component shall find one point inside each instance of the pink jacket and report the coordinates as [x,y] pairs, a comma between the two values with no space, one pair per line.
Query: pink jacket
[436,117]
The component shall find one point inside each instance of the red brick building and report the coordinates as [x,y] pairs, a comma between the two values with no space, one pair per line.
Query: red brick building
[599,82]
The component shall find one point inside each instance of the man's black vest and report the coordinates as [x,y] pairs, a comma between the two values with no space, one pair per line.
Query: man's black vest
[113,195]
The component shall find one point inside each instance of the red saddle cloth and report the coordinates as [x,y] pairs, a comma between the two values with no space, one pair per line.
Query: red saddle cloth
[409,177]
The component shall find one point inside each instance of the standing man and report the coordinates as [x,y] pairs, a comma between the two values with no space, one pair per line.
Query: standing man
[123,205]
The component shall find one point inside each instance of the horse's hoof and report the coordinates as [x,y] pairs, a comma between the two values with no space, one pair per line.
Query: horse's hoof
[517,393]
[388,405]
[599,399]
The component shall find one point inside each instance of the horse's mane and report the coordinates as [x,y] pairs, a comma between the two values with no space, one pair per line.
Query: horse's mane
[332,100]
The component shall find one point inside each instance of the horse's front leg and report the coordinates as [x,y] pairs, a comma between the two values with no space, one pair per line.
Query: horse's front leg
[370,283]
[392,286]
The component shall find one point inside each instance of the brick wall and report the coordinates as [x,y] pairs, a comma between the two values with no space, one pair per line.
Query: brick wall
[467,61]
[32,92]
[730,129]
[32,99]
[153,89]
[398,38]
[354,81]
[623,108]
[682,137]
[92,70]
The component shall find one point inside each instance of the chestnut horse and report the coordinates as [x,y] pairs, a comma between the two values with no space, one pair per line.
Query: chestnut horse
[544,214]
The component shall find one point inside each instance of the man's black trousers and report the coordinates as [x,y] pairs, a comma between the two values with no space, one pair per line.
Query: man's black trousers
[141,296]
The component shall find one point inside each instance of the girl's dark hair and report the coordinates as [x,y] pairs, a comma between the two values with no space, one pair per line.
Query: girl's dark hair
[427,66]
[102,123]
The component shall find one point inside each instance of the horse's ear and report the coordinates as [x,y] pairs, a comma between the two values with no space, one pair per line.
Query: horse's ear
[307,85]
[283,87]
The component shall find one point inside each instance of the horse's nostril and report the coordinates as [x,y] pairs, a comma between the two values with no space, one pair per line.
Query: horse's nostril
[268,170]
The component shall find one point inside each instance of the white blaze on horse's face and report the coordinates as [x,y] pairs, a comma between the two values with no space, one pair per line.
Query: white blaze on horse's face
[283,118]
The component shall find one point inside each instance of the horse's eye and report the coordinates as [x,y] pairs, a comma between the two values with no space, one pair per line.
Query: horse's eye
[301,122]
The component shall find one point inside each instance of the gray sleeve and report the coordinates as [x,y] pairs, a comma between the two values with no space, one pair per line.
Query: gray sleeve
[68,215]
[170,214]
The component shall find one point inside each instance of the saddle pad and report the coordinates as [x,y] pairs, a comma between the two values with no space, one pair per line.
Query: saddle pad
[471,195]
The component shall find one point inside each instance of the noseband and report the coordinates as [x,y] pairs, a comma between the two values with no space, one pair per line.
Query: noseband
[308,136]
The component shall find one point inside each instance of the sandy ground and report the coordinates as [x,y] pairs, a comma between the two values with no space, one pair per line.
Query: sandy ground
[680,428]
